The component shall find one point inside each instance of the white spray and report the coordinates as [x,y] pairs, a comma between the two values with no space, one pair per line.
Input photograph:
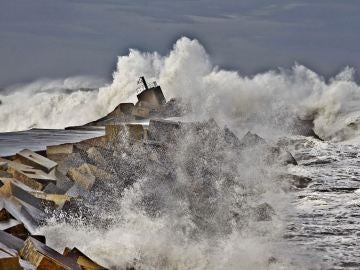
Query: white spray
[273,98]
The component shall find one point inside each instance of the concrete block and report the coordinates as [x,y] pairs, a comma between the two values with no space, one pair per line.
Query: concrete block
[9,262]
[96,156]
[25,174]
[81,259]
[35,160]
[53,189]
[66,148]
[18,230]
[8,250]
[55,199]
[85,180]
[141,112]
[10,189]
[6,224]
[31,177]
[131,131]
[4,180]
[30,216]
[97,142]
[91,169]
[5,174]
[40,238]
[10,241]
[59,152]
[4,215]
[45,258]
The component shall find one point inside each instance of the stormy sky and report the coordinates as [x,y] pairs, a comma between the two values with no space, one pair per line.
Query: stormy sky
[61,38]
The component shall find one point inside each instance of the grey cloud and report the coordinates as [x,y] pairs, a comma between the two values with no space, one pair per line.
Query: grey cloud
[48,38]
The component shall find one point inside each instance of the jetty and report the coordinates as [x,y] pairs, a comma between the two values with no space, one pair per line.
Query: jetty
[36,184]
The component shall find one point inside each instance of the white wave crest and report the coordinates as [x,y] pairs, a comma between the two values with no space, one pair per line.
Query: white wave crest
[272,99]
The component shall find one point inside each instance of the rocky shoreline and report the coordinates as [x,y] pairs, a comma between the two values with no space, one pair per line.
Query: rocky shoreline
[70,178]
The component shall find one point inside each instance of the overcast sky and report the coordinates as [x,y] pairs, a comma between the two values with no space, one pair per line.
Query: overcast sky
[60,38]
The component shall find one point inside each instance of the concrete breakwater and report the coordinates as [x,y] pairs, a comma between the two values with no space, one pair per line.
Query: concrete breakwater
[64,179]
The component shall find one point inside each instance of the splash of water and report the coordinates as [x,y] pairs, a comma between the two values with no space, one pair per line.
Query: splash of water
[271,99]
[175,239]
[193,206]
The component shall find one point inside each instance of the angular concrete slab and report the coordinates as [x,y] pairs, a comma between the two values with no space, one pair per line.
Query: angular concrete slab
[9,262]
[46,258]
[5,174]
[59,152]
[97,142]
[4,214]
[23,173]
[24,213]
[10,241]
[96,155]
[4,225]
[85,180]
[131,131]
[11,189]
[93,170]
[18,231]
[34,178]
[121,110]
[53,189]
[35,160]
[8,250]
[56,199]
[4,180]
[80,258]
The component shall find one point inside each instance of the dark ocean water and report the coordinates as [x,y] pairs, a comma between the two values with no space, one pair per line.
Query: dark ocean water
[325,221]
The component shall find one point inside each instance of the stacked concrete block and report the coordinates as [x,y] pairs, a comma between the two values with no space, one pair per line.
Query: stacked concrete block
[35,160]
[99,174]
[84,261]
[124,131]
[46,258]
[97,157]
[83,179]
[59,152]
[9,259]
